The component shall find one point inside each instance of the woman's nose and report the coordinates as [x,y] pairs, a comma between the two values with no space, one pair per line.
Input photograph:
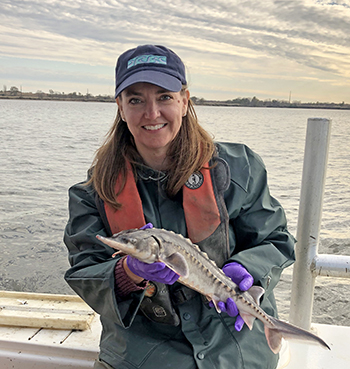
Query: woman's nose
[152,110]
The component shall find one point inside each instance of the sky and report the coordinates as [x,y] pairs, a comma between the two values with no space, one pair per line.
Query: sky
[231,48]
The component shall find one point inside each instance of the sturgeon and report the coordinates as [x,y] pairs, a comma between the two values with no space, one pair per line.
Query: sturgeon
[201,274]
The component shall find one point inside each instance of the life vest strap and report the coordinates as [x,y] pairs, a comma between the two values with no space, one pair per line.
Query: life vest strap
[201,210]
[130,215]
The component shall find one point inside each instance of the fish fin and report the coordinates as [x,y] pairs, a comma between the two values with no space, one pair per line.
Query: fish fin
[256,292]
[290,331]
[274,339]
[248,319]
[177,263]
[215,303]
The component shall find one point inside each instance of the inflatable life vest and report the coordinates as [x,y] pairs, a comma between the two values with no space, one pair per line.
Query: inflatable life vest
[205,211]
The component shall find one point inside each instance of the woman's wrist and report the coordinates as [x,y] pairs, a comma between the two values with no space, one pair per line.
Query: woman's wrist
[135,278]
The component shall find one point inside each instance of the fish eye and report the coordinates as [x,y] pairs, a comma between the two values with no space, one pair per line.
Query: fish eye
[128,239]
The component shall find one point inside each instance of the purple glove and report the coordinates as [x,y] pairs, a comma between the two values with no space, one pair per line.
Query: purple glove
[239,274]
[156,272]
[147,226]
[244,280]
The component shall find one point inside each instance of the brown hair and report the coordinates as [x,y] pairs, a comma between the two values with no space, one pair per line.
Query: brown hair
[188,152]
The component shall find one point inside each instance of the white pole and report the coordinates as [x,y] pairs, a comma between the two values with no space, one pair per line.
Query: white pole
[309,220]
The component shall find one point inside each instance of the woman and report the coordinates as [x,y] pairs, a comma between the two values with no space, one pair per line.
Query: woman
[159,166]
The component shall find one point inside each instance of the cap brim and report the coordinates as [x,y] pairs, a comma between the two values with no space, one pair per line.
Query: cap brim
[157,78]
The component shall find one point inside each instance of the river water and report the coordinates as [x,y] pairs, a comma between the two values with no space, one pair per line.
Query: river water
[47,146]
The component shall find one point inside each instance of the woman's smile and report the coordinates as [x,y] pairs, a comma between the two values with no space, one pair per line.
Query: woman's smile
[154,127]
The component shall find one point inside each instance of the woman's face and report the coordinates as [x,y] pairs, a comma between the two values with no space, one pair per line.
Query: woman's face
[153,115]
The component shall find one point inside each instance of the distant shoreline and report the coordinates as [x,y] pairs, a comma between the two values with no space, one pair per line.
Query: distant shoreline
[66,98]
[239,102]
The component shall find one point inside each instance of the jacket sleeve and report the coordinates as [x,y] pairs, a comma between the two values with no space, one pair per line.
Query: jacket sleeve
[92,272]
[259,238]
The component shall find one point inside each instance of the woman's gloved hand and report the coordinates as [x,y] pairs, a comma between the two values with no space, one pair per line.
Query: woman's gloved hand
[239,274]
[244,280]
[156,272]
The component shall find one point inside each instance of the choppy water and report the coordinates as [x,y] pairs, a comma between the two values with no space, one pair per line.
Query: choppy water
[48,146]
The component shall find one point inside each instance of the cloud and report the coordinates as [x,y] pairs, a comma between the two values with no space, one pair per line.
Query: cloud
[230,39]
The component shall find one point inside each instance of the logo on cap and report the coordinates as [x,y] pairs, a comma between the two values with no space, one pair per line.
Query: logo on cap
[147,59]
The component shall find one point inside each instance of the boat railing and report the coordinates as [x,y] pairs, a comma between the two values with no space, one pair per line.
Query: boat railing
[309,264]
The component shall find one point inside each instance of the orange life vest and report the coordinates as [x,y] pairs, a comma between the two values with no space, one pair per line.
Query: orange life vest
[202,214]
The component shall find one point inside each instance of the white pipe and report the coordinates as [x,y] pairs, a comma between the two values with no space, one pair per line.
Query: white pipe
[309,220]
[337,266]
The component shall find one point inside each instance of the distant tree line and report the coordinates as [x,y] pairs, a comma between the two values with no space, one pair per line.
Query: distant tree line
[16,93]
[268,103]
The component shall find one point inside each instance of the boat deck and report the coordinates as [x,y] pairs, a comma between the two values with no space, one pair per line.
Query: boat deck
[32,348]
[29,348]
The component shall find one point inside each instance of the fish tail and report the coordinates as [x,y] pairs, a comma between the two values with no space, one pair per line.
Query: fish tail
[285,330]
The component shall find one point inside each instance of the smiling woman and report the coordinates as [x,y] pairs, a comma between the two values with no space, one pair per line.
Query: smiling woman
[159,167]
[156,123]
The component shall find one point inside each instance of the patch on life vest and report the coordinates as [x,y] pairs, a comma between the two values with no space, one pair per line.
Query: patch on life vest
[195,181]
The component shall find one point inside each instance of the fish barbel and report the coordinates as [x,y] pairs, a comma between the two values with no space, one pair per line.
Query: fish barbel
[201,274]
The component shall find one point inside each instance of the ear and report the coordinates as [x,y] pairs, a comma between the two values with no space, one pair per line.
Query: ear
[120,107]
[186,97]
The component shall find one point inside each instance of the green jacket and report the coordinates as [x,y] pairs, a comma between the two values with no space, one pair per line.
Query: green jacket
[259,240]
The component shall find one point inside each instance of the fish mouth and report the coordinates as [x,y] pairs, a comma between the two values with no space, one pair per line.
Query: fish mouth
[154,127]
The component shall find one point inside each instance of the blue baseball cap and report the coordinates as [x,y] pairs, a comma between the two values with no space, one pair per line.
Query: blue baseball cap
[152,64]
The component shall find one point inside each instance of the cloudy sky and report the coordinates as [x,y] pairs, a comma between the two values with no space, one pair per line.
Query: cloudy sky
[231,48]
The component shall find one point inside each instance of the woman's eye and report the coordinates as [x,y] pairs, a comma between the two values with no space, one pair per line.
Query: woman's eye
[134,101]
[165,97]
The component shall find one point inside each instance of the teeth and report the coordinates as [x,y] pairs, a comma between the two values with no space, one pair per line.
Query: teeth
[154,128]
